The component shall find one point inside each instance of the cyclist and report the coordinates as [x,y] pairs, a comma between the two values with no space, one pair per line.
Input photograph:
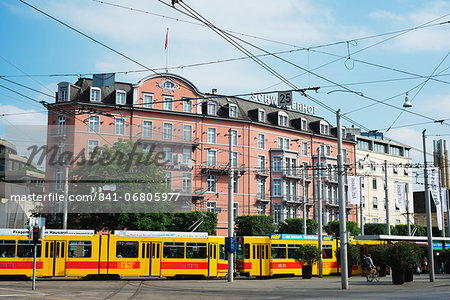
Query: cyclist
[370,261]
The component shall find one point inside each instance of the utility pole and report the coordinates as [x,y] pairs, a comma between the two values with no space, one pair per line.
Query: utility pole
[361,178]
[304,169]
[230,205]
[342,206]
[408,221]
[442,207]
[428,211]
[386,196]
[66,193]
[319,208]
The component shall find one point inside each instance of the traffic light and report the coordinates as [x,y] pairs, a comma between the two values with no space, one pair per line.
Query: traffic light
[35,235]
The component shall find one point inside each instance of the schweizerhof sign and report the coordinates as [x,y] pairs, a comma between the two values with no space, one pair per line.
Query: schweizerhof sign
[273,100]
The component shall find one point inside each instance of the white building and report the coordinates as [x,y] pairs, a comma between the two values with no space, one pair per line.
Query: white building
[372,154]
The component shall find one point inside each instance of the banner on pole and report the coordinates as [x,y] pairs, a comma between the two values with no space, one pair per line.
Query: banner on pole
[354,189]
[434,181]
[444,199]
[399,189]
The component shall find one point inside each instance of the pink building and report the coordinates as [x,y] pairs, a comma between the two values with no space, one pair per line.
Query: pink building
[275,150]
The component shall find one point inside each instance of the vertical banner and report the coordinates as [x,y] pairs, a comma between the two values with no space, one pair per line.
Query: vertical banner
[434,182]
[354,189]
[444,199]
[399,190]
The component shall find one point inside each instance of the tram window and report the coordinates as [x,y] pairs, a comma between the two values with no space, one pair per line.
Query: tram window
[173,250]
[267,252]
[254,251]
[143,250]
[196,250]
[57,249]
[291,250]
[327,251]
[278,251]
[62,249]
[154,251]
[257,252]
[262,252]
[127,249]
[51,249]
[25,249]
[247,251]
[157,250]
[148,250]
[46,249]
[223,255]
[215,251]
[80,249]
[7,248]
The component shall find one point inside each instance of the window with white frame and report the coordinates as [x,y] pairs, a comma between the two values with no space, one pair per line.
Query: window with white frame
[261,163]
[406,171]
[59,179]
[283,143]
[211,108]
[373,166]
[120,97]
[397,222]
[211,206]
[167,154]
[235,209]
[261,115]
[276,213]
[286,144]
[375,202]
[167,131]
[169,179]
[186,183]
[187,156]
[235,185]
[305,148]
[211,158]
[61,125]
[95,94]
[261,209]
[119,126]
[147,101]
[94,123]
[234,137]
[168,103]
[395,169]
[277,187]
[303,124]
[376,220]
[63,93]
[211,183]
[261,188]
[233,111]
[327,150]
[276,164]
[282,119]
[147,129]
[324,128]
[92,144]
[211,136]
[187,133]
[234,159]
[261,141]
[374,183]
[187,105]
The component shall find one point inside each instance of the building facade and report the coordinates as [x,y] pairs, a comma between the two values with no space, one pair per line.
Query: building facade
[375,156]
[275,154]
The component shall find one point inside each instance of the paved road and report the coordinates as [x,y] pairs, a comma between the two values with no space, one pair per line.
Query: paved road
[242,288]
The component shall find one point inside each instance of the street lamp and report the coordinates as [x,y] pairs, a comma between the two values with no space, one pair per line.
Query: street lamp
[407,103]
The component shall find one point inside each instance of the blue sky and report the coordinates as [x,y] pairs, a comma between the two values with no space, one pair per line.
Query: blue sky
[35,44]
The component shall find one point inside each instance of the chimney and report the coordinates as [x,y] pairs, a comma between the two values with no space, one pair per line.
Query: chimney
[214,91]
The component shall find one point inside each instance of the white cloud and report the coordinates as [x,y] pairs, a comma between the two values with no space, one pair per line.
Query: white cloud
[386,15]
[22,116]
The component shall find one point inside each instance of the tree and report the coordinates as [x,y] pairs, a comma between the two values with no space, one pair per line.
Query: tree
[295,226]
[254,225]
[332,228]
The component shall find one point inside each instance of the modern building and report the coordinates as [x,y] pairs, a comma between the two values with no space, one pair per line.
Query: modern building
[440,154]
[420,215]
[275,150]
[379,161]
[18,177]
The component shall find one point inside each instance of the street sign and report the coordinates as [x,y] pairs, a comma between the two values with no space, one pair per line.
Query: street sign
[285,99]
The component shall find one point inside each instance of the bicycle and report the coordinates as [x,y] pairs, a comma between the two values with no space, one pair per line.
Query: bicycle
[372,275]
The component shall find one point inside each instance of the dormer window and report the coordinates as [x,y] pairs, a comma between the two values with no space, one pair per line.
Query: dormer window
[282,119]
[168,103]
[304,124]
[232,113]
[343,132]
[95,94]
[324,128]
[261,115]
[120,97]
[147,100]
[211,109]
[63,92]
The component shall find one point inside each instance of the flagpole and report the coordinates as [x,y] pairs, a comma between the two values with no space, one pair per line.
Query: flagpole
[166,48]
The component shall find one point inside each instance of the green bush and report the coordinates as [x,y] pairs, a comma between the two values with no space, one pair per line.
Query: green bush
[445,255]
[255,225]
[332,228]
[352,254]
[403,255]
[374,228]
[379,254]
[307,254]
[295,226]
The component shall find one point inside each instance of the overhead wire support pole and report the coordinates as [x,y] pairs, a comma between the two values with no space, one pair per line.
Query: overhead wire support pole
[386,199]
[319,208]
[361,178]
[428,211]
[342,206]
[304,170]
[408,220]
[230,205]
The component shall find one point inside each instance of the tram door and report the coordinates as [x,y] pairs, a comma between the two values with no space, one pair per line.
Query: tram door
[265,261]
[55,258]
[212,259]
[256,263]
[155,258]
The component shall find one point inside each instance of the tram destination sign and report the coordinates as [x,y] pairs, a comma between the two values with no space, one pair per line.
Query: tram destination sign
[72,232]
[161,234]
[302,237]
